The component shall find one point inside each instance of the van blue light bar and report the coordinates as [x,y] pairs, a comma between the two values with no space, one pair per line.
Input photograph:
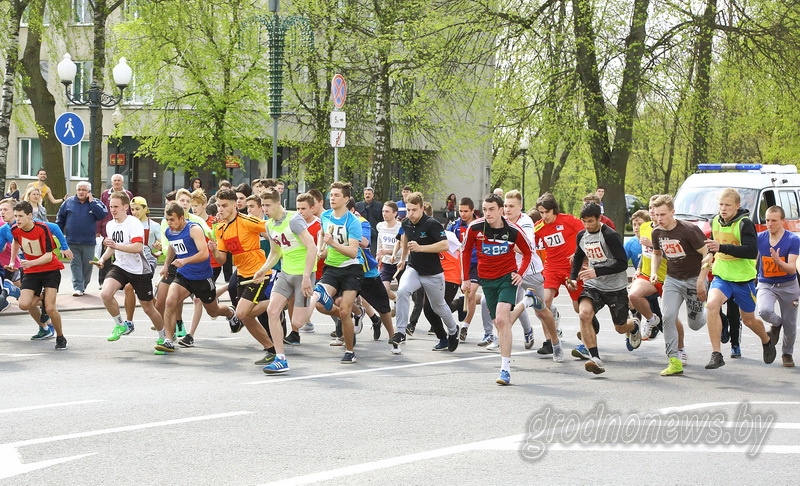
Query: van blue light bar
[729,166]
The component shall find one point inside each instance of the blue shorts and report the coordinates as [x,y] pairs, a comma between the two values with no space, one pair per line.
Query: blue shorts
[743,293]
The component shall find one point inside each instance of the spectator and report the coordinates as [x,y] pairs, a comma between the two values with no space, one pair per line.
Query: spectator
[75,219]
[372,211]
[44,188]
[450,208]
[34,196]
[195,184]
[13,192]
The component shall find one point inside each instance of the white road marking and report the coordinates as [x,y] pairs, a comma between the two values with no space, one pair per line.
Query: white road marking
[514,443]
[11,463]
[21,355]
[127,428]
[273,380]
[49,405]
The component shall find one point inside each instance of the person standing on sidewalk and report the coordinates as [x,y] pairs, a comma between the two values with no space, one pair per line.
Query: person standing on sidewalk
[77,218]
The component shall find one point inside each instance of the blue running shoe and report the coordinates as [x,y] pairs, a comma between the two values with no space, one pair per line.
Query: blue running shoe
[13,290]
[736,351]
[532,300]
[4,303]
[324,298]
[504,379]
[130,328]
[581,352]
[277,366]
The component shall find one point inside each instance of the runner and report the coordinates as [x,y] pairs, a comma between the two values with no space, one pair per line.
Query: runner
[466,212]
[498,271]
[41,266]
[605,284]
[734,250]
[778,250]
[125,242]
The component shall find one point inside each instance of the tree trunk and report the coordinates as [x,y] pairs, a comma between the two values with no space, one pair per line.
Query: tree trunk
[702,88]
[12,62]
[44,105]
[99,17]
[381,180]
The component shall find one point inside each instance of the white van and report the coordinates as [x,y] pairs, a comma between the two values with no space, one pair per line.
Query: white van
[760,187]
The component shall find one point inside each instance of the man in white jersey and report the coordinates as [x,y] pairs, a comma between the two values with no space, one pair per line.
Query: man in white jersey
[126,241]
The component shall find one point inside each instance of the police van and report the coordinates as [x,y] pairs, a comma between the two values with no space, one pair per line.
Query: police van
[760,186]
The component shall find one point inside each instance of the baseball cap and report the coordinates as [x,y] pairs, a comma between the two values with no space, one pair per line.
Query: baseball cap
[141,202]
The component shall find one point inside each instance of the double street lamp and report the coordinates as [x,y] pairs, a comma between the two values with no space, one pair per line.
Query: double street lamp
[95,99]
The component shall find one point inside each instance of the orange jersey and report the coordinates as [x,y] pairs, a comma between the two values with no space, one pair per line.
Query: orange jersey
[240,238]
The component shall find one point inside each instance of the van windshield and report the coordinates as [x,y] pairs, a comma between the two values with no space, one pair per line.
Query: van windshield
[703,202]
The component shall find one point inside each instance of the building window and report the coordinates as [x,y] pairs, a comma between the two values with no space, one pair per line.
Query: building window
[138,93]
[83,80]
[30,157]
[79,160]
[81,11]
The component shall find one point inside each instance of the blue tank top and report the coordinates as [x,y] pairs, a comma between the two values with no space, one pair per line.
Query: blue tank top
[183,246]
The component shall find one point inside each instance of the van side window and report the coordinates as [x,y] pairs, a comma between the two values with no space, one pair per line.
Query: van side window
[789,204]
[767,200]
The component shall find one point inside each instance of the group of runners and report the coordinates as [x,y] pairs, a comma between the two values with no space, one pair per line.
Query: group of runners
[316,259]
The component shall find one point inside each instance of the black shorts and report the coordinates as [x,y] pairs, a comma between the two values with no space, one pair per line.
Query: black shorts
[172,271]
[473,273]
[41,280]
[253,292]
[617,303]
[205,290]
[373,291]
[343,278]
[142,284]
[387,272]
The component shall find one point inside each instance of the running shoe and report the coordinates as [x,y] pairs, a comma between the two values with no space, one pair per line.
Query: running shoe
[529,339]
[309,327]
[452,340]
[532,300]
[44,317]
[462,335]
[558,353]
[487,340]
[787,360]
[675,368]
[348,358]
[180,329]
[398,338]
[166,346]
[234,322]
[595,365]
[50,332]
[774,334]
[494,345]
[267,359]
[4,303]
[633,339]
[292,339]
[441,345]
[648,326]
[581,352]
[769,352]
[117,332]
[682,356]
[130,328]
[396,349]
[547,348]
[358,325]
[157,352]
[716,361]
[337,341]
[376,330]
[61,343]
[736,351]
[410,328]
[187,341]
[324,298]
[13,290]
[277,366]
[504,378]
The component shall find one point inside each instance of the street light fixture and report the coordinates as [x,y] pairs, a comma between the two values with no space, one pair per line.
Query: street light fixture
[116,119]
[95,99]
[524,144]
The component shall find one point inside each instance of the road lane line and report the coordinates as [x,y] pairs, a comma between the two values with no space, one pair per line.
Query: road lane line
[273,380]
[49,405]
[127,428]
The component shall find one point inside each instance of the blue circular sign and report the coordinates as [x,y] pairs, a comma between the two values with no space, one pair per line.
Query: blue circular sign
[69,129]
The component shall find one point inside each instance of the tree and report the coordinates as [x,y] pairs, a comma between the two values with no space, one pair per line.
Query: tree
[13,21]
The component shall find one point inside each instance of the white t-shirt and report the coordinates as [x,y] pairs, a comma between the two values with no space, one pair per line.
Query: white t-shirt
[526,223]
[130,230]
[387,237]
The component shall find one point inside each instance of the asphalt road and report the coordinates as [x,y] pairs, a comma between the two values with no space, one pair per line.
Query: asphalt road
[113,413]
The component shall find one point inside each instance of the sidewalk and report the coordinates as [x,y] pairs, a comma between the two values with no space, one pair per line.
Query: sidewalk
[90,300]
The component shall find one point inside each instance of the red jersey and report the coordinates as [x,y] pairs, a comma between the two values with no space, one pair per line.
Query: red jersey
[314,229]
[559,239]
[34,244]
[496,248]
[607,221]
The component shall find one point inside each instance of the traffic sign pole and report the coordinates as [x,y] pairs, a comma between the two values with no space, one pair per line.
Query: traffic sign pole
[338,121]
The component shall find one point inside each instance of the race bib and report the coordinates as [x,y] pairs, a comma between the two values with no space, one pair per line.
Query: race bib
[32,247]
[234,246]
[770,269]
[594,252]
[672,249]
[556,239]
[179,247]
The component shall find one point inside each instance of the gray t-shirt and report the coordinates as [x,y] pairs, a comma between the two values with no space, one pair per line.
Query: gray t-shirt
[606,255]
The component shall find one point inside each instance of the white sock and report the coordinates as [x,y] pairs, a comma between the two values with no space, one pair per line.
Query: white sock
[118,320]
[162,334]
[506,364]
[280,356]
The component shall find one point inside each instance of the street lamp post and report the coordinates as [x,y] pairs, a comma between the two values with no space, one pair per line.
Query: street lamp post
[116,119]
[95,99]
[277,28]
[524,144]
